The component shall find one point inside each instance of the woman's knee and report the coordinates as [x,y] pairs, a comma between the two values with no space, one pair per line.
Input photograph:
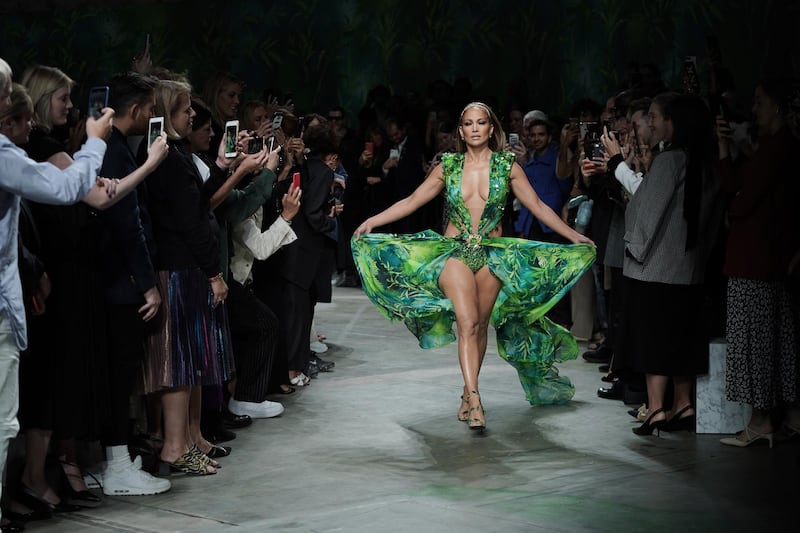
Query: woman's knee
[468,326]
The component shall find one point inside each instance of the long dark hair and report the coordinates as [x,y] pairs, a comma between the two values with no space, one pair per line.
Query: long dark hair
[692,132]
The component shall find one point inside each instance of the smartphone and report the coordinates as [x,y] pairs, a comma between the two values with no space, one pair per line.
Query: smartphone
[587,127]
[394,153]
[154,129]
[271,144]
[513,139]
[296,180]
[691,83]
[277,120]
[255,145]
[369,147]
[301,125]
[637,149]
[231,136]
[98,99]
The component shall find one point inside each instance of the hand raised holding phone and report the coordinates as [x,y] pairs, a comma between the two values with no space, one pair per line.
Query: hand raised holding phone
[291,202]
[100,127]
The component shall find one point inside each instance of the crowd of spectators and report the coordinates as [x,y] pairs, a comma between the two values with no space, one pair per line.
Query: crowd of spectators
[186,278]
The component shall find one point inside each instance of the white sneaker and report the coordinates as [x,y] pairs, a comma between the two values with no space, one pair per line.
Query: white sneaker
[132,481]
[319,347]
[265,409]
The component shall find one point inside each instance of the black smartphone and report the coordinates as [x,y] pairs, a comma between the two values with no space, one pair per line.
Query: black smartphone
[691,82]
[98,99]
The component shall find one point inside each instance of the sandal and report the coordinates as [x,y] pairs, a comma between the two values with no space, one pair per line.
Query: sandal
[189,464]
[286,390]
[463,410]
[300,380]
[203,458]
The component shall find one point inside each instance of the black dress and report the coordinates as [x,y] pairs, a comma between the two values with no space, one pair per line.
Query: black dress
[63,372]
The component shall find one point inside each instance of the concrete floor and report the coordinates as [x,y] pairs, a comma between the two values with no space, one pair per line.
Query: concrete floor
[375,447]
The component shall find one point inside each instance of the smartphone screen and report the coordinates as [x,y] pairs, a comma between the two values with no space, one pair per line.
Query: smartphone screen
[277,120]
[231,136]
[637,149]
[154,130]
[256,145]
[98,99]
[513,139]
[296,180]
[271,144]
[394,153]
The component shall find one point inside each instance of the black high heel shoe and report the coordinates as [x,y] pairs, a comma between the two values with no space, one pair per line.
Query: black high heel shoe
[30,499]
[648,427]
[676,423]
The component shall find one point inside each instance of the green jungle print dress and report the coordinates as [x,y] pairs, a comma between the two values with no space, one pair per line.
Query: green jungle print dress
[400,274]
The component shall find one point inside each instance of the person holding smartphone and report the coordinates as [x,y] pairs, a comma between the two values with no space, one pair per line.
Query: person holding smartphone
[190,277]
[22,177]
[131,296]
[430,280]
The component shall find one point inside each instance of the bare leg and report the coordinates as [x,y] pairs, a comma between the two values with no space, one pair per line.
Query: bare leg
[656,386]
[682,396]
[175,404]
[458,284]
[488,288]
[37,442]
[761,421]
[69,463]
[195,410]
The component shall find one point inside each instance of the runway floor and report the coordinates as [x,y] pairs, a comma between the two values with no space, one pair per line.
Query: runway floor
[375,447]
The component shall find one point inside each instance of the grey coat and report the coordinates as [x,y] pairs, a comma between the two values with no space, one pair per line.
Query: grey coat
[655,229]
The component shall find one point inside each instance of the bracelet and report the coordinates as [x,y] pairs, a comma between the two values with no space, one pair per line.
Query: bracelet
[218,277]
[289,222]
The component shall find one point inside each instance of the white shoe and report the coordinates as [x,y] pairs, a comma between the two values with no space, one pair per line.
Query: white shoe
[319,347]
[132,481]
[265,409]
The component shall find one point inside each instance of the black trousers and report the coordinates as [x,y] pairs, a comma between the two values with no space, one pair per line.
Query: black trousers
[125,355]
[294,307]
[254,333]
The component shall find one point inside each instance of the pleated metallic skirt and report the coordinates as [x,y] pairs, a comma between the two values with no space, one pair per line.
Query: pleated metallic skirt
[189,341]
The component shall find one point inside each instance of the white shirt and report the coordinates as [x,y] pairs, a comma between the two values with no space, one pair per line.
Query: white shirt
[250,243]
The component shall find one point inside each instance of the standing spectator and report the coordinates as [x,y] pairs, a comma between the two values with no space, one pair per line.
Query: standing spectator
[42,182]
[403,173]
[762,367]
[670,224]
[221,93]
[131,295]
[298,276]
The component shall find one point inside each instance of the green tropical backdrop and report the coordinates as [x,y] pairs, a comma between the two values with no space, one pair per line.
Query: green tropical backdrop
[547,52]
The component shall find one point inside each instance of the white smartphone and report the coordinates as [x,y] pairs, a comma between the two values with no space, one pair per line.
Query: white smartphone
[231,136]
[154,129]
[394,153]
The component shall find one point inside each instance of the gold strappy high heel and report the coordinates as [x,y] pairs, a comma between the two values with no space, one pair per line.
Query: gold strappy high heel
[463,409]
[478,424]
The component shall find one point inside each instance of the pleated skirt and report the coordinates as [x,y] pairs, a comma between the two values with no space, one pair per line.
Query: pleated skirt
[189,341]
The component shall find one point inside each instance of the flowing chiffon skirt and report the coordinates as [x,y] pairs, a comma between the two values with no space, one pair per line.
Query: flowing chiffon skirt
[400,275]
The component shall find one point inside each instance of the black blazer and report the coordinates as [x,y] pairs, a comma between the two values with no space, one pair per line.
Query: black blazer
[302,261]
[184,228]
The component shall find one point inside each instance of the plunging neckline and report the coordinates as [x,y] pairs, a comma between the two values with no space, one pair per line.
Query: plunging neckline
[486,201]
